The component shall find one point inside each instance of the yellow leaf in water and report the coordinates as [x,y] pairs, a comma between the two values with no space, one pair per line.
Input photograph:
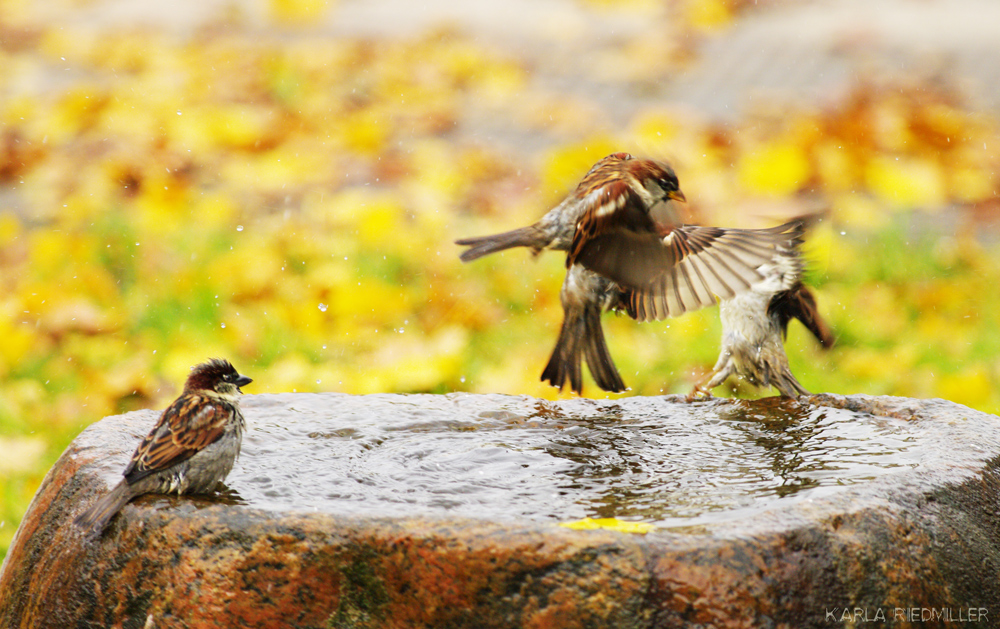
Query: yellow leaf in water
[367,131]
[708,14]
[18,340]
[611,524]
[76,112]
[378,221]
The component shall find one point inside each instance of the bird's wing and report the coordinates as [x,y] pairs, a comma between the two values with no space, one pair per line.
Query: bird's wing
[685,268]
[186,427]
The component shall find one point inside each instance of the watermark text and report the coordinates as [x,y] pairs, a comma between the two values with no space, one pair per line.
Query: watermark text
[856,615]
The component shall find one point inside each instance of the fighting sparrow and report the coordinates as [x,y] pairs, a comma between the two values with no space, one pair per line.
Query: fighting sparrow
[555,229]
[585,295]
[755,324]
[191,449]
[620,222]
[631,234]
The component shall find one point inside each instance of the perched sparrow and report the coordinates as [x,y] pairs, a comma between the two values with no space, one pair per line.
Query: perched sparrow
[585,295]
[555,229]
[755,324]
[191,449]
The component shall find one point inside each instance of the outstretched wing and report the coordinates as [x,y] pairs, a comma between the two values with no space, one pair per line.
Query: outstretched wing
[670,271]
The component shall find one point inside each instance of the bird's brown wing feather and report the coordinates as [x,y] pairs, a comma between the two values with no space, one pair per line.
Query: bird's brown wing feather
[187,426]
[686,268]
[671,269]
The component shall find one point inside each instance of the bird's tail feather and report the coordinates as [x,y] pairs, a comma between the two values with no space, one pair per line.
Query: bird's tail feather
[799,303]
[582,337]
[787,384]
[483,245]
[595,351]
[564,364]
[97,516]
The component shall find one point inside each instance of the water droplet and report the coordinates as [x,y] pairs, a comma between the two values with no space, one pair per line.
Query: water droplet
[223,325]
[239,228]
[322,307]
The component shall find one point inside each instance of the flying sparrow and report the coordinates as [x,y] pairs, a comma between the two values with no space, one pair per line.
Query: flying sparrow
[620,224]
[555,229]
[191,449]
[631,234]
[755,324]
[585,295]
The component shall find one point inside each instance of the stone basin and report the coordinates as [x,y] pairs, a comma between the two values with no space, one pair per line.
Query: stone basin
[448,511]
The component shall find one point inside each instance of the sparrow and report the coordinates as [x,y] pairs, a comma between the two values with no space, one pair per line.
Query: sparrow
[755,325]
[585,296]
[630,233]
[554,230]
[620,224]
[191,449]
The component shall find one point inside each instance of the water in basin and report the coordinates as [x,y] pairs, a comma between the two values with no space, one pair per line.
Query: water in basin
[513,458]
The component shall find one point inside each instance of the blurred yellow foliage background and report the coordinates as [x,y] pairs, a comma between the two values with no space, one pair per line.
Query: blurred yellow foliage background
[289,201]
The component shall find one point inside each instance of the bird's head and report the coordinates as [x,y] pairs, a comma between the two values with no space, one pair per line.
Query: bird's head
[659,180]
[216,375]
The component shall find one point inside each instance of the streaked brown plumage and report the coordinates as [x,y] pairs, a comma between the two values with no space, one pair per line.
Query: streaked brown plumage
[630,233]
[191,448]
[555,229]
[799,302]
[620,223]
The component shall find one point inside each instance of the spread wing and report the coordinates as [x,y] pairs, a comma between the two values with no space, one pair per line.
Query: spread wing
[673,270]
[187,426]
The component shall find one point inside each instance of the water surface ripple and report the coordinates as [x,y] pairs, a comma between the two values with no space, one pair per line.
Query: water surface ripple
[504,458]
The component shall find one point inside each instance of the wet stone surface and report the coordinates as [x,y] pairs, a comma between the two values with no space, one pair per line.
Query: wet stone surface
[510,458]
[389,510]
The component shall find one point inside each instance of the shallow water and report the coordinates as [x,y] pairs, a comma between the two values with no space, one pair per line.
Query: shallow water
[502,457]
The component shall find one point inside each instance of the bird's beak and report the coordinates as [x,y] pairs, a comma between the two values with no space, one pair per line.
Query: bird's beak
[243,381]
[677,195]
